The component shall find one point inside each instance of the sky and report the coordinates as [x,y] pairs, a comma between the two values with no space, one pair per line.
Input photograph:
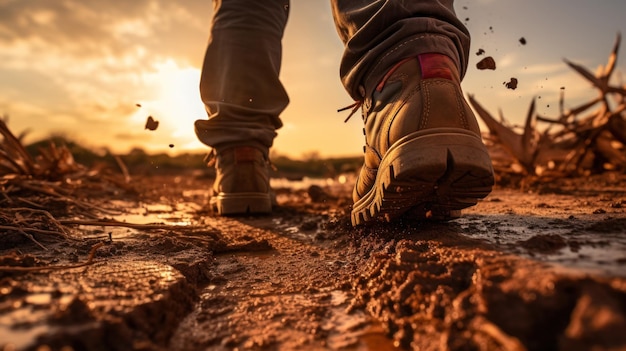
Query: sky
[80,68]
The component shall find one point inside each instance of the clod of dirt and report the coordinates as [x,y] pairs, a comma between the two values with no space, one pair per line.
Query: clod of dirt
[544,243]
[310,224]
[522,41]
[151,123]
[480,52]
[609,225]
[486,63]
[317,194]
[77,311]
[512,84]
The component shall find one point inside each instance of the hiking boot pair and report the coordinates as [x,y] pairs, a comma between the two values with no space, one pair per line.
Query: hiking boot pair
[423,151]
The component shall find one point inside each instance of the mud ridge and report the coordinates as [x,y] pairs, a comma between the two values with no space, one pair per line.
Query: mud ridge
[431,296]
[121,302]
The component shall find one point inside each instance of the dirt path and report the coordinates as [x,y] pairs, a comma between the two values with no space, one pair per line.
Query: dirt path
[540,270]
[281,286]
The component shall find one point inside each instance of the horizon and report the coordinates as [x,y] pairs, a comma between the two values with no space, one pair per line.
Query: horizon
[81,68]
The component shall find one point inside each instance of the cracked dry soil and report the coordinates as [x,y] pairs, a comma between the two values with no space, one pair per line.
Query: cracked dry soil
[542,269]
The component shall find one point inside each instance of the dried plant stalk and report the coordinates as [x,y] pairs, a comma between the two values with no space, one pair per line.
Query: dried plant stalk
[581,145]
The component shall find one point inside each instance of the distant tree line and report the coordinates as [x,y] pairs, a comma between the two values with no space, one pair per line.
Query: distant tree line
[138,161]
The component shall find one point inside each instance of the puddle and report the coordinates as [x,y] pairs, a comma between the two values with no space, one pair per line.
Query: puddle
[181,213]
[590,252]
[294,231]
[597,260]
[304,183]
[355,330]
[341,185]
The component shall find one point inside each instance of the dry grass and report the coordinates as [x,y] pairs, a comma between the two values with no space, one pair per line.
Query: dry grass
[47,198]
[36,192]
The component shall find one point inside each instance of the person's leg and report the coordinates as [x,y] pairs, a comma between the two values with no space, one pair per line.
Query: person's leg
[378,34]
[243,98]
[239,84]
[403,62]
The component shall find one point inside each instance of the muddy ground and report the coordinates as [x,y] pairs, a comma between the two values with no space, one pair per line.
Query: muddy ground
[543,268]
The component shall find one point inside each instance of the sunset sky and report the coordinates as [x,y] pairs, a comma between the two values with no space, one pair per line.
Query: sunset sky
[79,67]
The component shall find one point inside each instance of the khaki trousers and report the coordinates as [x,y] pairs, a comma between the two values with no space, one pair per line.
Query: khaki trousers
[239,84]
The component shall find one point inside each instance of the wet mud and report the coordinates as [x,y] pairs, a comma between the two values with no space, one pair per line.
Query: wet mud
[543,268]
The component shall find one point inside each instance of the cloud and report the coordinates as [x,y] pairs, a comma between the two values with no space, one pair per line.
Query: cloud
[546,68]
[81,65]
[94,28]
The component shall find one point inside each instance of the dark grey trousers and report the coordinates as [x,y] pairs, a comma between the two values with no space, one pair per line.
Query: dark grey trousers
[240,87]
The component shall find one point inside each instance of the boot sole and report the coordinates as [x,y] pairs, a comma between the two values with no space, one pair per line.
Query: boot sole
[429,175]
[241,203]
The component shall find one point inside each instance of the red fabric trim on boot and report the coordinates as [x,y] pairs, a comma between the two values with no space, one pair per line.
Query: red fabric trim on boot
[436,66]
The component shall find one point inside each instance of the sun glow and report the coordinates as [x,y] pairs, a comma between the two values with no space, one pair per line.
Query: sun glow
[176,104]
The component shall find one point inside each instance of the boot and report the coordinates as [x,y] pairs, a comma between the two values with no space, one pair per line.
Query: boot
[242,183]
[424,153]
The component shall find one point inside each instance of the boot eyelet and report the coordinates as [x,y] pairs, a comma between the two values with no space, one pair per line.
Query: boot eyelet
[367,104]
[362,91]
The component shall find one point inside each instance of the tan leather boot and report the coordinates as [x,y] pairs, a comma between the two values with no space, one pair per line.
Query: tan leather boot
[242,183]
[424,153]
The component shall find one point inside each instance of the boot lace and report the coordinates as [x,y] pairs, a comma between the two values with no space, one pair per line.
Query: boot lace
[210,158]
[355,107]
[357,104]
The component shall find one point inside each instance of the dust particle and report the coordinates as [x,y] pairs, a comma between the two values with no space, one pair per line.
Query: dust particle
[512,84]
[171,146]
[522,41]
[486,63]
[480,52]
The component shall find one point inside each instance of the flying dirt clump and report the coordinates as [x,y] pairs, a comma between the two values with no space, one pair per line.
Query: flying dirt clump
[512,84]
[486,63]
[589,138]
[151,123]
